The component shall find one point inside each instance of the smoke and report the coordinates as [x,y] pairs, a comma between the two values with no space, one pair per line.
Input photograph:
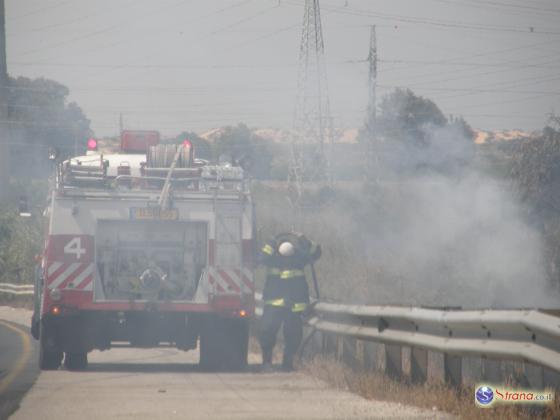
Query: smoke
[446,234]
[434,231]
[455,243]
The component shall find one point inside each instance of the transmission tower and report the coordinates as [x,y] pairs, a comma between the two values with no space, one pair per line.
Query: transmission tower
[313,128]
[371,119]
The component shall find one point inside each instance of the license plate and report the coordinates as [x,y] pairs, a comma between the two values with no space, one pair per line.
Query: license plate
[153,213]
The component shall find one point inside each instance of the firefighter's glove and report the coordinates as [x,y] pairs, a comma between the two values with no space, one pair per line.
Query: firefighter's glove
[304,243]
[318,251]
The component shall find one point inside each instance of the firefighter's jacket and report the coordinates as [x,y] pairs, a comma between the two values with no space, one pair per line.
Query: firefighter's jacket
[286,285]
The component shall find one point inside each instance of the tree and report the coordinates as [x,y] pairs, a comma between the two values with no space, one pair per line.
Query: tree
[416,136]
[41,118]
[536,172]
[404,115]
[246,148]
[202,148]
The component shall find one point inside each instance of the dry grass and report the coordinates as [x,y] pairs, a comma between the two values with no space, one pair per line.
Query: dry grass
[434,397]
[16,301]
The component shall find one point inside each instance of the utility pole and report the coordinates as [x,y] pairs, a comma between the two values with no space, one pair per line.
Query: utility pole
[313,129]
[121,124]
[4,124]
[371,119]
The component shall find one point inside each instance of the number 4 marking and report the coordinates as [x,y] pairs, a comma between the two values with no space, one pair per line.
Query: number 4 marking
[75,247]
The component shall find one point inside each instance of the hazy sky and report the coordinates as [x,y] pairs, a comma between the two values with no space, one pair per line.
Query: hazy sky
[177,65]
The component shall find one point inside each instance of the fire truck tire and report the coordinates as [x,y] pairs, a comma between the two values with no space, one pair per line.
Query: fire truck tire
[224,345]
[75,361]
[48,359]
[35,328]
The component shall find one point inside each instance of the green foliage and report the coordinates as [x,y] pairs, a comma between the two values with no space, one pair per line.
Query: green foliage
[41,117]
[462,127]
[21,237]
[243,146]
[536,172]
[403,115]
[19,243]
[202,148]
[413,135]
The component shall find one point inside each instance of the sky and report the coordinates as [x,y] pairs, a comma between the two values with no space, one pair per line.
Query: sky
[193,65]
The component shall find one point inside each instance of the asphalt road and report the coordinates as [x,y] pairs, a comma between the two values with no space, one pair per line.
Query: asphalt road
[18,365]
[165,383]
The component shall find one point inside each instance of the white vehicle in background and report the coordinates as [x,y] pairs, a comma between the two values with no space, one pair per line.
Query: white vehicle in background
[146,247]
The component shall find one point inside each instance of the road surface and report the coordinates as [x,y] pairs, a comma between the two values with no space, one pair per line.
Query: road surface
[18,366]
[164,383]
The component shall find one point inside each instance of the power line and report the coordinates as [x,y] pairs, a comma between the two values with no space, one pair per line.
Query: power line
[494,7]
[100,31]
[438,23]
[438,80]
[102,11]
[40,10]
[153,30]
[511,5]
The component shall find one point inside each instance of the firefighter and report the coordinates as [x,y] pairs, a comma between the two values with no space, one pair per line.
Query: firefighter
[286,294]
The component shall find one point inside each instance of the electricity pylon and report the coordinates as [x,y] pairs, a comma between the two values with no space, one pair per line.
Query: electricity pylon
[313,128]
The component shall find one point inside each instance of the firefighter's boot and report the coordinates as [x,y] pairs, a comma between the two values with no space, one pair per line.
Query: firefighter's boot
[288,364]
[267,361]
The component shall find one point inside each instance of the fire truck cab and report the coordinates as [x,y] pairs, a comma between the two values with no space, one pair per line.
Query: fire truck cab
[146,247]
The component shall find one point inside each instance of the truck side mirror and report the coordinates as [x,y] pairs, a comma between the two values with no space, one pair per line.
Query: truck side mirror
[53,154]
[23,207]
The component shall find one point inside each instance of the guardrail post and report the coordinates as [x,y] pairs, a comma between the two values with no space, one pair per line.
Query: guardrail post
[361,354]
[381,361]
[418,365]
[514,373]
[406,355]
[313,344]
[471,370]
[453,370]
[492,371]
[551,378]
[350,352]
[371,352]
[317,343]
[393,360]
[436,367]
[534,375]
[339,347]
[329,344]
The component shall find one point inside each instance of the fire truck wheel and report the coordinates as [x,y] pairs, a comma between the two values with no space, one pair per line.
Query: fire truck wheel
[35,328]
[224,344]
[48,359]
[75,361]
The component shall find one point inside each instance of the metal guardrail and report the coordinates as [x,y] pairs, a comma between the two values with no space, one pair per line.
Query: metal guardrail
[490,336]
[527,335]
[16,289]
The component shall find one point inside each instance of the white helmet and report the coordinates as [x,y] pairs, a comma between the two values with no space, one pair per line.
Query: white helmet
[286,249]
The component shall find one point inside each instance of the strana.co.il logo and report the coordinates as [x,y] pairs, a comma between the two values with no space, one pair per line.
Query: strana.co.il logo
[484,396]
[487,395]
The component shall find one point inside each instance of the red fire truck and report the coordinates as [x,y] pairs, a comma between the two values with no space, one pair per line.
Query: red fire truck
[146,247]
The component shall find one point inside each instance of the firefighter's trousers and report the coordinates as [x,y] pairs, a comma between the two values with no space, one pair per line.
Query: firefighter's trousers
[273,317]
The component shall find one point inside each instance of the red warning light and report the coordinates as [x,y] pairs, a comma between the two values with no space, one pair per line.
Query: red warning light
[187,143]
[92,144]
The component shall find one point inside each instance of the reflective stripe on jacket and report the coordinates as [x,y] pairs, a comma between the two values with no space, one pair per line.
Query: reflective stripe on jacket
[281,303]
[285,274]
[267,249]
